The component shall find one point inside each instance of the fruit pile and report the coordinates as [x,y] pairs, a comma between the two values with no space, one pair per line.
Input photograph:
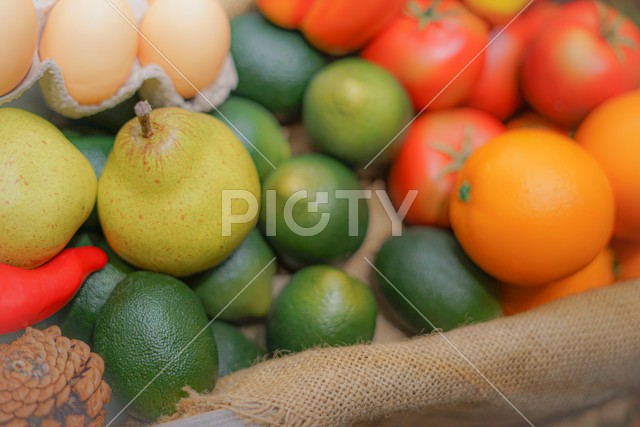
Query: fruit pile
[498,139]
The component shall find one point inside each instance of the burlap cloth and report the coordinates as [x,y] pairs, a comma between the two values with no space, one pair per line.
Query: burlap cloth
[577,353]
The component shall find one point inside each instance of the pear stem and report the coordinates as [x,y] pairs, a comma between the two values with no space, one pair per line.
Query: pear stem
[143,111]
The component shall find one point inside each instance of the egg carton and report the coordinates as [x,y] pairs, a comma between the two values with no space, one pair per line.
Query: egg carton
[151,81]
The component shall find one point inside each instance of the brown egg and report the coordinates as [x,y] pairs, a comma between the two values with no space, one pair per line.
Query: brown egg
[194,36]
[94,44]
[19,35]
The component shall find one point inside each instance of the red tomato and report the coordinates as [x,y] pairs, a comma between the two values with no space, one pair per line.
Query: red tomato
[587,54]
[531,120]
[436,146]
[426,48]
[497,89]
[537,16]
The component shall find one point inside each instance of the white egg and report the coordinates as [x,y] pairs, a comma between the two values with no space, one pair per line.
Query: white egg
[95,43]
[194,36]
[19,35]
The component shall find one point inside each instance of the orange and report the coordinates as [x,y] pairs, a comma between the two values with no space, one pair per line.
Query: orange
[531,207]
[597,274]
[627,259]
[611,133]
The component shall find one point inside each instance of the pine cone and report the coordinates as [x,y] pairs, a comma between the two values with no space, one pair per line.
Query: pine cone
[49,380]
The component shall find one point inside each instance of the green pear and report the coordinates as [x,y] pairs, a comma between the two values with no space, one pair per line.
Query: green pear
[161,196]
[47,189]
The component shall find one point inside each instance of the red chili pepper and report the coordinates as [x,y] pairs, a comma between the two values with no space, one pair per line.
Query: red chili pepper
[30,296]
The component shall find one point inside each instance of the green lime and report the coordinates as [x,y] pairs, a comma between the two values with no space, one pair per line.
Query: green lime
[152,331]
[88,302]
[235,350]
[240,287]
[321,306]
[353,109]
[274,65]
[426,273]
[321,227]
[96,148]
[258,130]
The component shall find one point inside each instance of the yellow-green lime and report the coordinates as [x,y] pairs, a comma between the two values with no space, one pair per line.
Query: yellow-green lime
[235,350]
[150,323]
[353,109]
[274,65]
[258,130]
[240,287]
[321,306]
[320,227]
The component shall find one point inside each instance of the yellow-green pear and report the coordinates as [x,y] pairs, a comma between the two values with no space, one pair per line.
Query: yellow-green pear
[178,193]
[47,189]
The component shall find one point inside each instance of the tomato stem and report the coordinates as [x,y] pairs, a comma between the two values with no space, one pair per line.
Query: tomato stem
[458,158]
[610,31]
[425,16]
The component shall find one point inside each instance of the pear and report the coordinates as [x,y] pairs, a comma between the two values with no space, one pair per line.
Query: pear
[47,189]
[160,196]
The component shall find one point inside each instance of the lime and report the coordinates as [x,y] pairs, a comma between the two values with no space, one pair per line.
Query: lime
[235,350]
[258,130]
[320,227]
[88,302]
[321,306]
[96,148]
[241,286]
[274,65]
[353,109]
[428,275]
[151,324]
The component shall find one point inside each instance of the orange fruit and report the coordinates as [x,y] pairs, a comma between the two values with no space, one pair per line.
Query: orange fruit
[627,259]
[598,273]
[611,134]
[531,207]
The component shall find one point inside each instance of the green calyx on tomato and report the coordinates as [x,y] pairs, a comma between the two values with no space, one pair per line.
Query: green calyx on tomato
[457,157]
[424,16]
[610,30]
[464,191]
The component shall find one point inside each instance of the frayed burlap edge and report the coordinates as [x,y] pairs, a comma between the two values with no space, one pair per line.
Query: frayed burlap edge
[566,356]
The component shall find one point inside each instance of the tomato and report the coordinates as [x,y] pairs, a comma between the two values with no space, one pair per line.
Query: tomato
[333,26]
[436,146]
[536,17]
[497,89]
[427,48]
[530,120]
[587,54]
